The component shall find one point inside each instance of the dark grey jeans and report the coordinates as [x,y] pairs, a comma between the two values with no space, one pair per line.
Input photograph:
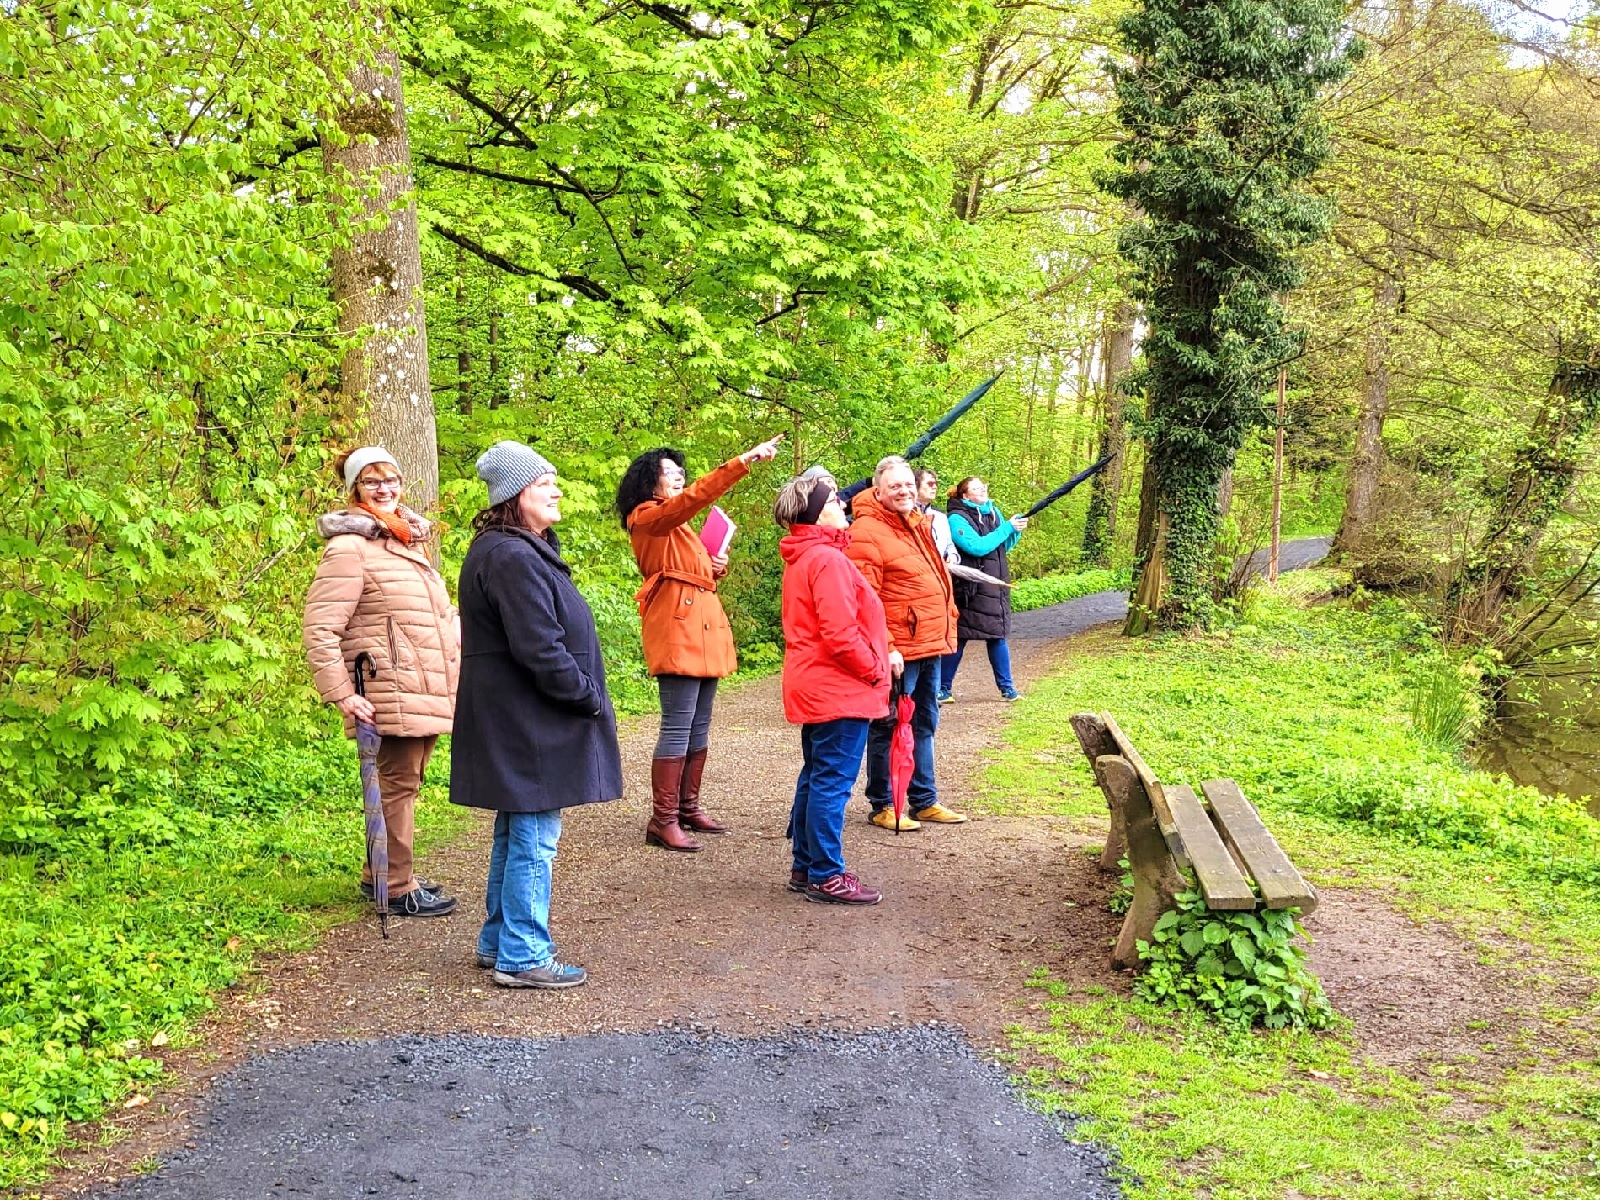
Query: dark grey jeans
[686,702]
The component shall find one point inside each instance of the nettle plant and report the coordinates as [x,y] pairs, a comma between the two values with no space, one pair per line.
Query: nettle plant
[1243,968]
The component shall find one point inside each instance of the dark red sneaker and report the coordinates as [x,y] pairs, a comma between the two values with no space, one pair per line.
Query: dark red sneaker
[842,889]
[797,881]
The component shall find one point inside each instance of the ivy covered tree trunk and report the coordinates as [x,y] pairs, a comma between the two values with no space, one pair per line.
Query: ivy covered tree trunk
[1100,525]
[1222,130]
[1366,464]
[377,278]
[1541,479]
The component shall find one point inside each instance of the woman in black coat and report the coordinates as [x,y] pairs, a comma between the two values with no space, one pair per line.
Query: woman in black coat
[535,731]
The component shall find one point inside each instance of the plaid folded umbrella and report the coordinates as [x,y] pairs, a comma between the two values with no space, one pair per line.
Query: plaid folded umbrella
[367,742]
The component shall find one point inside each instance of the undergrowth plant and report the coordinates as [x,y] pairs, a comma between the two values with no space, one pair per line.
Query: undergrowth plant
[1242,968]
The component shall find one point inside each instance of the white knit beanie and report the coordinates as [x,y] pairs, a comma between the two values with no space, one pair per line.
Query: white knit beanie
[363,458]
[508,467]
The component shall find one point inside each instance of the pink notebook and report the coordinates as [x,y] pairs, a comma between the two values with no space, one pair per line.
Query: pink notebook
[717,532]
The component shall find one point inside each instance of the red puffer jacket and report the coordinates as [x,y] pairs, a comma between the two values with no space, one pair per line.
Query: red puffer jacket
[836,656]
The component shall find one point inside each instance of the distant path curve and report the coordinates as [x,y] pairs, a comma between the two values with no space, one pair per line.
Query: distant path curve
[1074,616]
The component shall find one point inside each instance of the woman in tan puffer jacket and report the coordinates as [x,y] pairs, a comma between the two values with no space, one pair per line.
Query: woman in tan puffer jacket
[376,592]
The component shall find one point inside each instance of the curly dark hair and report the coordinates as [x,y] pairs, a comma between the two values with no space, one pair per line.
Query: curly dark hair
[639,481]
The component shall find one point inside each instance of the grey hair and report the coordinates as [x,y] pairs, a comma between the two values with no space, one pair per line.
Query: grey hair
[885,465]
[795,496]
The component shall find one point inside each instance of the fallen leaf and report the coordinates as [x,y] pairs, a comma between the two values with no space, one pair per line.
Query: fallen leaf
[160,1039]
[135,1101]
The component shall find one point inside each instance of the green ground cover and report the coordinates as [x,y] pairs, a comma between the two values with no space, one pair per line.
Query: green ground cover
[127,919]
[1310,707]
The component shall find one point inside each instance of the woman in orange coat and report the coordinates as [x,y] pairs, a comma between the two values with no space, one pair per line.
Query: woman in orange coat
[688,644]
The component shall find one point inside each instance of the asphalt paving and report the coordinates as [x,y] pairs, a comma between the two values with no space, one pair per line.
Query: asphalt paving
[1074,616]
[910,1112]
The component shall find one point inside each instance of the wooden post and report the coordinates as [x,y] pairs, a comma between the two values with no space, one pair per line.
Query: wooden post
[1094,739]
[1155,876]
[1277,475]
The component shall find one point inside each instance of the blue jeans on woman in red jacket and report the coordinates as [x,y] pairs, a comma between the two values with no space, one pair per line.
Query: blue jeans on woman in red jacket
[831,754]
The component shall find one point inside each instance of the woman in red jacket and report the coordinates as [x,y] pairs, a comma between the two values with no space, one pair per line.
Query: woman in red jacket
[835,682]
[688,644]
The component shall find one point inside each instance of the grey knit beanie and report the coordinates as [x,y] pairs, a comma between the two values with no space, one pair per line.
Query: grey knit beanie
[508,467]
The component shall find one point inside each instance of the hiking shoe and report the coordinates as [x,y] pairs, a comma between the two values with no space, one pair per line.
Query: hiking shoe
[797,881]
[422,903]
[884,819]
[426,885]
[946,698]
[1010,694]
[553,976]
[940,815]
[842,889]
[484,962]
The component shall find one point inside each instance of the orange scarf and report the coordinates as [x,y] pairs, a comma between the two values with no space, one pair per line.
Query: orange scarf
[397,525]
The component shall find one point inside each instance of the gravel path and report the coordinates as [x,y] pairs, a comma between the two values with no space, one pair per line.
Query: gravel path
[651,1117]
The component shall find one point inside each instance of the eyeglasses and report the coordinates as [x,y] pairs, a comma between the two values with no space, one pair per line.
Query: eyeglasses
[389,483]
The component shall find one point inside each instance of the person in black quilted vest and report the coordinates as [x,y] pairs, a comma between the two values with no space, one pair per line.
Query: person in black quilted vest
[983,536]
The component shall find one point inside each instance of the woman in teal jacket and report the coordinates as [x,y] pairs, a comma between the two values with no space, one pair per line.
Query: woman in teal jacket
[983,536]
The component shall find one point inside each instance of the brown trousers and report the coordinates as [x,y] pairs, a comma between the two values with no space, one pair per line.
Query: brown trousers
[401,762]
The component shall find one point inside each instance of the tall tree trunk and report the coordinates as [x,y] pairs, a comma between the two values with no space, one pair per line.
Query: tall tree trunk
[1366,465]
[1542,477]
[1100,525]
[1149,565]
[377,280]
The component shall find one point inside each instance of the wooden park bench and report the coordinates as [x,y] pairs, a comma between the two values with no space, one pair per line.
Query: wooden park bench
[1167,831]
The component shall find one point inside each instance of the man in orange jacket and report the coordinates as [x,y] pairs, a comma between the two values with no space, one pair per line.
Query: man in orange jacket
[892,544]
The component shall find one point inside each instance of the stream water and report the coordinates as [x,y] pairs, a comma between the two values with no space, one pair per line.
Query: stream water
[1551,740]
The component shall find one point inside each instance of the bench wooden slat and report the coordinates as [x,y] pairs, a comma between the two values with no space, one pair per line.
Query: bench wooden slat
[1152,787]
[1222,883]
[1239,825]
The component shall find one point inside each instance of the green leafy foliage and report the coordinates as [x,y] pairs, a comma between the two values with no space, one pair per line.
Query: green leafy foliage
[1243,968]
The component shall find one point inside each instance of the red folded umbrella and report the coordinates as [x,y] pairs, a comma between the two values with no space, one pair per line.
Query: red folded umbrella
[901,757]
[367,742]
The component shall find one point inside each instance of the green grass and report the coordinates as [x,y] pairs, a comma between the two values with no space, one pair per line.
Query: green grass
[1310,708]
[128,919]
[1195,1111]
[1053,589]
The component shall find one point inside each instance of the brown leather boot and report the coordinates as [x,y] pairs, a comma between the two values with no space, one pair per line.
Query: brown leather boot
[666,778]
[690,814]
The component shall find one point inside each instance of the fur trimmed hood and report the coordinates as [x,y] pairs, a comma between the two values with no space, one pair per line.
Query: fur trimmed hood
[349,521]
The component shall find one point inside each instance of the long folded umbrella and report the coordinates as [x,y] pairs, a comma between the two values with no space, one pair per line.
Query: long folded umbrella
[367,742]
[960,410]
[902,753]
[1068,486]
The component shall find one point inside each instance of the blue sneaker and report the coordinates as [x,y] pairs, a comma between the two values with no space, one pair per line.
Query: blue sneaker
[1010,694]
[946,698]
[552,977]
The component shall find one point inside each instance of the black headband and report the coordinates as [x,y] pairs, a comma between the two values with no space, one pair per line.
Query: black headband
[820,495]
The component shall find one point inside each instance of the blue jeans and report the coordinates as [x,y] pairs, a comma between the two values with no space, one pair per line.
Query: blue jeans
[517,932]
[921,683]
[999,663]
[831,753]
